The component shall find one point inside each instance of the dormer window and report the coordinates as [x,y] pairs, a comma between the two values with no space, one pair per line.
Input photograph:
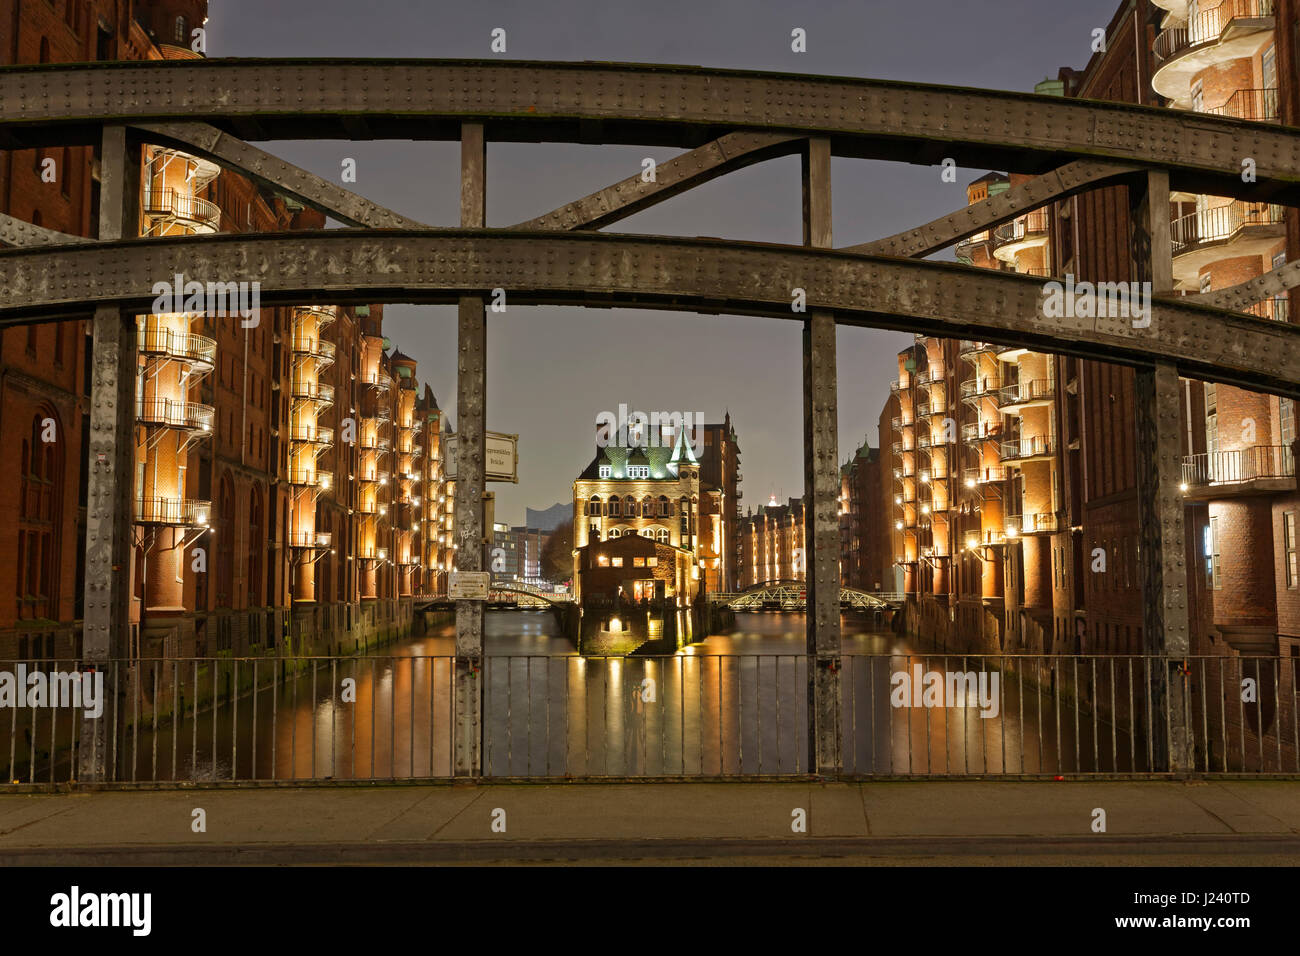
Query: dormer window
[606,471]
[638,471]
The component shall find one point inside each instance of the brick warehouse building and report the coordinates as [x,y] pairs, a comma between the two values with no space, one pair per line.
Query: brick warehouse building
[283,489]
[1032,547]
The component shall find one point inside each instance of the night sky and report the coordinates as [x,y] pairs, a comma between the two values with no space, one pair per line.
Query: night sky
[551,370]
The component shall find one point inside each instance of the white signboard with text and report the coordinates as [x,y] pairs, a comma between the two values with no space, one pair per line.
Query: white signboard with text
[502,457]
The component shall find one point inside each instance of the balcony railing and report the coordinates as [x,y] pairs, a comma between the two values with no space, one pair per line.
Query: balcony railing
[1037,389]
[1230,467]
[314,392]
[182,206]
[1209,26]
[899,422]
[311,478]
[1221,223]
[1041,523]
[982,476]
[1031,224]
[380,380]
[194,416]
[970,349]
[1259,105]
[180,512]
[323,351]
[974,432]
[1277,309]
[324,314]
[186,346]
[975,389]
[313,433]
[310,539]
[1033,447]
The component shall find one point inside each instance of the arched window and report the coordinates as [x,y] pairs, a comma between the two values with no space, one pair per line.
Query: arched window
[647,507]
[665,506]
[613,511]
[181,33]
[661,535]
[593,506]
[615,532]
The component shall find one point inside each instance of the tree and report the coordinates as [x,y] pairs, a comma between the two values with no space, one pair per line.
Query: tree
[557,554]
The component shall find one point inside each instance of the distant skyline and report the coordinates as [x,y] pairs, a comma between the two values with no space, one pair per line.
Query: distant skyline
[552,370]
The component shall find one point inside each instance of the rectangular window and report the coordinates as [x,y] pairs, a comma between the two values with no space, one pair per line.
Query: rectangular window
[1289,547]
[1268,69]
[652,562]
[617,562]
[638,562]
[1212,554]
[1286,420]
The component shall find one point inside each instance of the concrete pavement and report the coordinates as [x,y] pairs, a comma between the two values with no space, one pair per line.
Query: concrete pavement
[970,822]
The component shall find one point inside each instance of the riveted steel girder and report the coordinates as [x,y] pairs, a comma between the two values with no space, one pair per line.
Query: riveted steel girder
[626,197]
[276,174]
[667,105]
[15,232]
[602,269]
[977,217]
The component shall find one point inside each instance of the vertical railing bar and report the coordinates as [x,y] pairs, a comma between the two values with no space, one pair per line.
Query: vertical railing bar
[153,770]
[871,697]
[410,720]
[135,725]
[178,718]
[433,668]
[1130,670]
[1002,716]
[277,672]
[374,693]
[586,719]
[528,674]
[1295,706]
[334,713]
[1151,725]
[1259,709]
[392,720]
[699,675]
[776,693]
[253,753]
[311,714]
[889,745]
[965,721]
[216,701]
[1169,730]
[13,736]
[1092,703]
[293,724]
[510,678]
[1056,702]
[1205,717]
[740,714]
[194,742]
[1078,756]
[984,733]
[722,766]
[908,712]
[234,719]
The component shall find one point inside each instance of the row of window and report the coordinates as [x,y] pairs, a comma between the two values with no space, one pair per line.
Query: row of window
[631,508]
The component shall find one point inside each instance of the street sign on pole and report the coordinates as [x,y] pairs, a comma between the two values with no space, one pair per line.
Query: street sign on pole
[502,457]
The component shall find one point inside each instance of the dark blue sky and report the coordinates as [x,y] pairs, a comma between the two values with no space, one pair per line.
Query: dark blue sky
[552,370]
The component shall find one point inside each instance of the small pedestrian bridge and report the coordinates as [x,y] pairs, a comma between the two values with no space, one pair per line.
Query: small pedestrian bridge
[792,596]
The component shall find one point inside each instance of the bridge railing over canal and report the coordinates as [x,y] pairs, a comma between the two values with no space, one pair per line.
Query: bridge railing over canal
[680,716]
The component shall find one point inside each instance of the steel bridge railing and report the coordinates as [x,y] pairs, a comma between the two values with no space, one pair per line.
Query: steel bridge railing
[685,715]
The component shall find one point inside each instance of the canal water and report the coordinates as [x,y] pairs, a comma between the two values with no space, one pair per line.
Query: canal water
[733,703]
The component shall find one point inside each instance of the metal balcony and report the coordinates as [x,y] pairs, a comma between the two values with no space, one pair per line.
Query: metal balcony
[1038,523]
[187,416]
[983,476]
[899,422]
[975,390]
[182,346]
[974,433]
[1028,449]
[314,434]
[1022,232]
[310,540]
[972,350]
[1211,27]
[317,392]
[174,512]
[1260,105]
[182,207]
[311,478]
[380,380]
[319,349]
[1221,224]
[1257,470]
[1037,391]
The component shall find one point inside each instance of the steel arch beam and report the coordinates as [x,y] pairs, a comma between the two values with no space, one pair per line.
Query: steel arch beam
[17,232]
[603,269]
[276,174]
[650,105]
[987,213]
